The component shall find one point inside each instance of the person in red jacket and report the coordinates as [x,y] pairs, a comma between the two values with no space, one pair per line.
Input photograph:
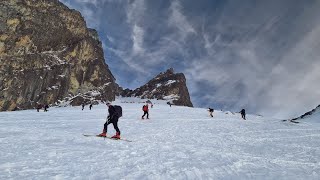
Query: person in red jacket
[145,111]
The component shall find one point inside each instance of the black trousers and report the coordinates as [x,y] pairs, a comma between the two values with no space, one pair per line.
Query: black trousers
[243,116]
[146,113]
[114,121]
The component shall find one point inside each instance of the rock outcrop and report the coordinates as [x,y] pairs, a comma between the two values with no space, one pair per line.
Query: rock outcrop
[48,55]
[168,86]
[308,114]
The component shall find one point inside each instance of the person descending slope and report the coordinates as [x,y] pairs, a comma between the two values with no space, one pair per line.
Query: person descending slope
[243,114]
[83,106]
[145,110]
[210,112]
[115,112]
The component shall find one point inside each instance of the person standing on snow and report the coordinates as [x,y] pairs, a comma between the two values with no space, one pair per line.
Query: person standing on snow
[90,106]
[39,106]
[243,114]
[83,106]
[210,112]
[113,118]
[145,110]
[46,107]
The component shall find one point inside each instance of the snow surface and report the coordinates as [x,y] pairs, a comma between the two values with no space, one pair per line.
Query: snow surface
[175,143]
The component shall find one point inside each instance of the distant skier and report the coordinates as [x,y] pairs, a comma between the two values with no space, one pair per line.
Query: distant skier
[145,110]
[210,112]
[90,106]
[169,103]
[243,114]
[39,106]
[113,118]
[46,107]
[83,106]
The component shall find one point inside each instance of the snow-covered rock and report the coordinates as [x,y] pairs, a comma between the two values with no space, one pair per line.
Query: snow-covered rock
[167,85]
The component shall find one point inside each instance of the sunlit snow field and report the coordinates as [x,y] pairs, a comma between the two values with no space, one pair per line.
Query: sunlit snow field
[175,143]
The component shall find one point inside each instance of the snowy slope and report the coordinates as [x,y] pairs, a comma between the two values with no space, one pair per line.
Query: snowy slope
[176,143]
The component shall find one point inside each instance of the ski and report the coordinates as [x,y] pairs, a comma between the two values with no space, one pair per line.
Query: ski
[92,135]
[293,121]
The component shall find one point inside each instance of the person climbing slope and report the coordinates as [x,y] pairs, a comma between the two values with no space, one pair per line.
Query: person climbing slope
[113,117]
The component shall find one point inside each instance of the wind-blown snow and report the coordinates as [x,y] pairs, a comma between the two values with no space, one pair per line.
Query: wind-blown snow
[175,143]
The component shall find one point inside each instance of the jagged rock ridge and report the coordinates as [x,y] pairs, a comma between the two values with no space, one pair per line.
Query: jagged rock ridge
[309,113]
[47,55]
[166,86]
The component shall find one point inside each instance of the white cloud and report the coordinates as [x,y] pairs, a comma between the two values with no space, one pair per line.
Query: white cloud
[137,36]
[179,20]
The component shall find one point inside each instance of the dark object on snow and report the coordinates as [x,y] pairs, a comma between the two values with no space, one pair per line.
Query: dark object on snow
[243,114]
[39,106]
[90,106]
[46,107]
[210,112]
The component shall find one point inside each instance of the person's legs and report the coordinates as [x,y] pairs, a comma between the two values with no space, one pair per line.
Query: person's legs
[144,113]
[115,125]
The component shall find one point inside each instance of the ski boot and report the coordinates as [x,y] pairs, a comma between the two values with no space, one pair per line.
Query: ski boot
[117,136]
[103,134]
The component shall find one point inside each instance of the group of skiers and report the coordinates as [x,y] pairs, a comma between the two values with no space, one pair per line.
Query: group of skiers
[242,112]
[115,112]
[40,106]
[83,105]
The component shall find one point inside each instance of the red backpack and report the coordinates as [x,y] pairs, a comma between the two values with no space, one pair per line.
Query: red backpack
[145,108]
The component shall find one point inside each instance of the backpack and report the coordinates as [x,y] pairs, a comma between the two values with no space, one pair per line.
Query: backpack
[145,108]
[118,110]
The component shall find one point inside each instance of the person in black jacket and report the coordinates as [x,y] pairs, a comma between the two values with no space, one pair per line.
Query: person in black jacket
[112,118]
[243,114]
[210,111]
[46,107]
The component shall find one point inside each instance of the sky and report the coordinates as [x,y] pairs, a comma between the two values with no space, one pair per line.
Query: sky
[259,55]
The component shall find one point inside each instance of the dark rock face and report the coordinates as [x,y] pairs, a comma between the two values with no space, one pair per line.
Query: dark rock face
[48,55]
[165,86]
[309,113]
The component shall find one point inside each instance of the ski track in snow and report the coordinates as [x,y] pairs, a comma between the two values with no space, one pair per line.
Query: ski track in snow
[175,143]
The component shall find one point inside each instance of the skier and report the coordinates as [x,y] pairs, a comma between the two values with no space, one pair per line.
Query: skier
[169,103]
[243,114]
[113,118]
[210,112]
[145,110]
[83,106]
[46,108]
[90,106]
[39,106]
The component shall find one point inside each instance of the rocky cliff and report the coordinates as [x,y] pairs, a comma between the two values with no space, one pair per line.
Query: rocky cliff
[308,114]
[48,55]
[168,86]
